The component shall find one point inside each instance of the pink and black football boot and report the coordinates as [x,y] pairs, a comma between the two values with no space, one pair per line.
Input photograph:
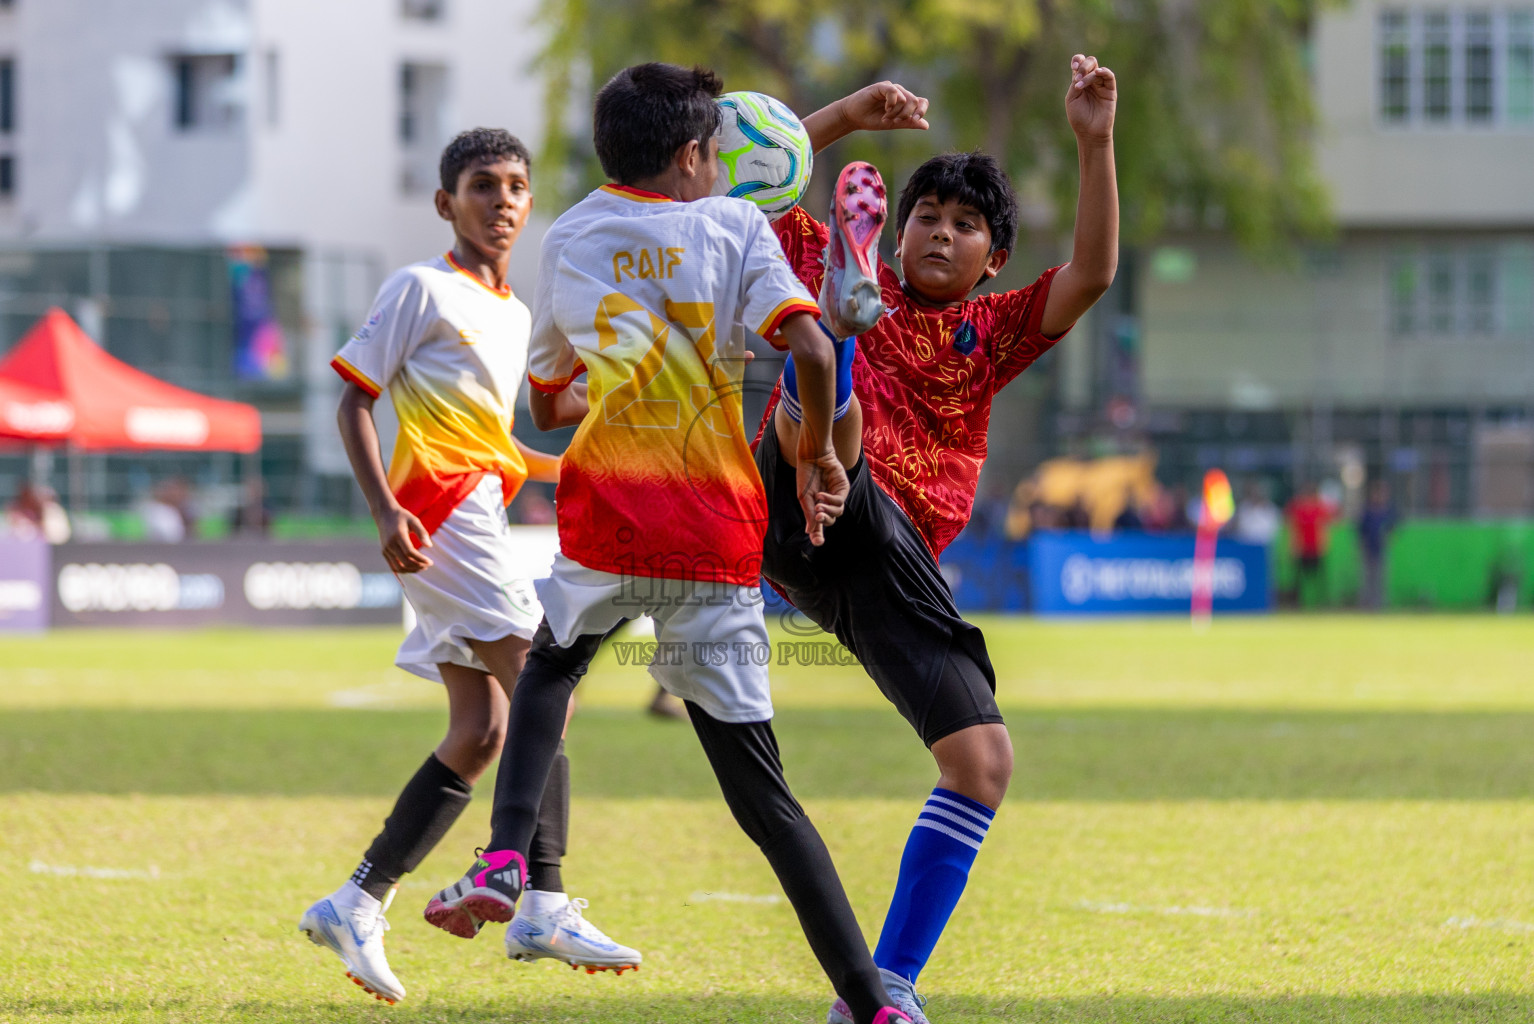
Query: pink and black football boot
[851,301]
[488,892]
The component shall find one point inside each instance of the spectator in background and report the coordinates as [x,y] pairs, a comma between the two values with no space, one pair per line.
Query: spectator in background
[1257,518]
[1129,519]
[1309,517]
[35,513]
[167,512]
[1172,511]
[1374,525]
[253,516]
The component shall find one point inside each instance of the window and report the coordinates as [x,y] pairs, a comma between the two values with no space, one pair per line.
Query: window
[1440,293]
[273,89]
[423,122]
[1480,312]
[1435,66]
[1451,66]
[7,177]
[1520,68]
[1517,288]
[1470,289]
[1478,84]
[7,96]
[1395,66]
[1402,298]
[208,91]
[423,10]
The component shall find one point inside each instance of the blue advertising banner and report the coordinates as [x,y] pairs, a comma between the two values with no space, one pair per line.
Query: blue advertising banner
[25,594]
[989,574]
[1140,574]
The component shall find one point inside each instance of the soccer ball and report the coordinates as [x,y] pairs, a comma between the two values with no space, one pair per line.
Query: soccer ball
[764,152]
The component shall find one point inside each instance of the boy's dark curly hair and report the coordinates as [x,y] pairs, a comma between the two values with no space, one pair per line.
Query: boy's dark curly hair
[474,145]
[974,179]
[647,112]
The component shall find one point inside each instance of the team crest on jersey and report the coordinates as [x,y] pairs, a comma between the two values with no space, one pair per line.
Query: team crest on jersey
[367,329]
[964,338]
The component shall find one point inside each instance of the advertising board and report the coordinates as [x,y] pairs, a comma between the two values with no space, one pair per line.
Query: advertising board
[256,583]
[23,585]
[1140,574]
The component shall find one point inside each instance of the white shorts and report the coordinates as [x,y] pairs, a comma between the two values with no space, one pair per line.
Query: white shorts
[711,640]
[472,590]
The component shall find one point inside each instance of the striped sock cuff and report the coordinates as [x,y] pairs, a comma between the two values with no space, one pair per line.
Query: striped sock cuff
[957,817]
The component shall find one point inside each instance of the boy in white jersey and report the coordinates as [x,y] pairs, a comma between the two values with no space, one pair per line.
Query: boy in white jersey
[449,341]
[647,286]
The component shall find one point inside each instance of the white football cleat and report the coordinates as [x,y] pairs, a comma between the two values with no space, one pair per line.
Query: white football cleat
[901,992]
[355,934]
[564,934]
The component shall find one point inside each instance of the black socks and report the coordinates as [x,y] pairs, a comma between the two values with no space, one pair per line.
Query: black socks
[548,846]
[426,808]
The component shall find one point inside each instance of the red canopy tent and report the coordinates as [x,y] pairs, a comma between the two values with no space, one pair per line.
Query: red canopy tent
[27,414]
[114,406]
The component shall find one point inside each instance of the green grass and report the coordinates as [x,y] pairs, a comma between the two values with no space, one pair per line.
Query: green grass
[1290,819]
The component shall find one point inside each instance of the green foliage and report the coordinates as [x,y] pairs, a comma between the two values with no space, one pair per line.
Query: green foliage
[1214,122]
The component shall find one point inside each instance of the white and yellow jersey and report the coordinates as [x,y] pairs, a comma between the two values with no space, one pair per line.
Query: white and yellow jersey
[452,352]
[651,299]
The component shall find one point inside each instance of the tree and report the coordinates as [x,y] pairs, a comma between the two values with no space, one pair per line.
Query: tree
[1215,117]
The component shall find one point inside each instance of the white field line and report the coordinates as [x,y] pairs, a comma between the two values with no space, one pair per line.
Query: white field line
[1500,924]
[37,867]
[1132,908]
[734,897]
[392,691]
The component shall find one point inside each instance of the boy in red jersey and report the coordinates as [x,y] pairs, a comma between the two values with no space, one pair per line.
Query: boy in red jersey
[647,286]
[923,378]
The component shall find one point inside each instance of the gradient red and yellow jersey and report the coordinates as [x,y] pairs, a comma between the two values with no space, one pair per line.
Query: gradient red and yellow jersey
[452,352]
[926,378]
[651,299]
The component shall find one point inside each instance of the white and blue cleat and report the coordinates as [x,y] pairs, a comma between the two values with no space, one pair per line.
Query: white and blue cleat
[354,932]
[562,933]
[901,992]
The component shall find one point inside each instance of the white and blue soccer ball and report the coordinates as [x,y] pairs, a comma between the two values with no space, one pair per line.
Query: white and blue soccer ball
[764,152]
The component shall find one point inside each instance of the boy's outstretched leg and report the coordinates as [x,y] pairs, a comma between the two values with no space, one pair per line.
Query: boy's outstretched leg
[851,299]
[745,760]
[851,302]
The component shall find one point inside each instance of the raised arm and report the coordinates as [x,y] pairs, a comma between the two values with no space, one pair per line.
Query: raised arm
[881,107]
[1089,105]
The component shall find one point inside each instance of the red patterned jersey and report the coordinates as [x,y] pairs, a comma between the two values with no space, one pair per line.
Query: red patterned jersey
[926,378]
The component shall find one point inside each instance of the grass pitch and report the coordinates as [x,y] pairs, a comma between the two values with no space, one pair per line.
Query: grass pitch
[1289,819]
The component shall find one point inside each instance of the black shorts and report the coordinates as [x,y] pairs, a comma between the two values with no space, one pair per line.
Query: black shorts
[877,589]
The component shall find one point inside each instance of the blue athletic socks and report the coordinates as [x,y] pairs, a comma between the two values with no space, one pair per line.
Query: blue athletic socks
[933,871]
[845,349]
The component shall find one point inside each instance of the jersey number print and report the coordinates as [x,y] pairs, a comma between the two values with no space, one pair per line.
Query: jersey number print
[618,319]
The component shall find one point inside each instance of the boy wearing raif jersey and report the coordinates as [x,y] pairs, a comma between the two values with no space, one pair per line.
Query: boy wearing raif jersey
[647,286]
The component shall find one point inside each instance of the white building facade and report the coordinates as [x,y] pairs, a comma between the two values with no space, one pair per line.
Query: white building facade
[275,122]
[149,147]
[1404,347]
